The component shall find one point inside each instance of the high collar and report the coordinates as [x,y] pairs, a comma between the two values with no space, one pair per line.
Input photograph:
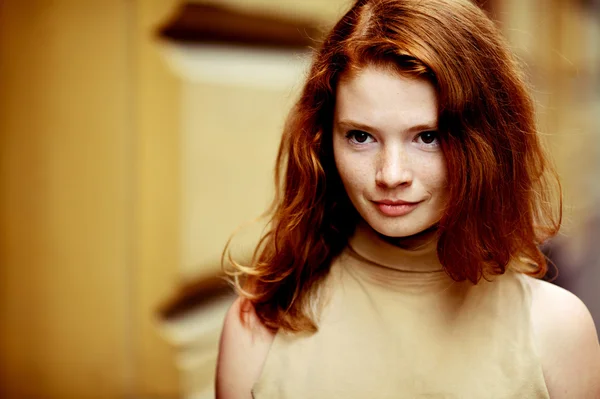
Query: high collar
[370,246]
[410,273]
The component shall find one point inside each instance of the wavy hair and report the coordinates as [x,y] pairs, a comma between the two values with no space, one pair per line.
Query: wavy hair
[502,200]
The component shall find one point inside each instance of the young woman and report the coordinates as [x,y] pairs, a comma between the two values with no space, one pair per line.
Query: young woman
[403,245]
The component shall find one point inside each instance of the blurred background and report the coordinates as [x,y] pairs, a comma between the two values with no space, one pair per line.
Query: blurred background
[137,135]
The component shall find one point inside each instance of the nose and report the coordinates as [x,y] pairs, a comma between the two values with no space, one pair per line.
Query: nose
[394,168]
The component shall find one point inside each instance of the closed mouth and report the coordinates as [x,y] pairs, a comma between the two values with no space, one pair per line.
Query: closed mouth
[395,202]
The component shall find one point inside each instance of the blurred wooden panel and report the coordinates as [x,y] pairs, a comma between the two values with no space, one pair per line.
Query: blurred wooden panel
[66,181]
[327,12]
[157,168]
[215,24]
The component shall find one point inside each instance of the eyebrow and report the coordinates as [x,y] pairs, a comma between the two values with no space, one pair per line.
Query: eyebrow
[353,125]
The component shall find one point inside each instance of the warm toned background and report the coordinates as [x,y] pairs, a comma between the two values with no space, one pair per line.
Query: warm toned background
[94,197]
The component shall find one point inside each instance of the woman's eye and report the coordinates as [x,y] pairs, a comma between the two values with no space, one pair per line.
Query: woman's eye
[358,137]
[429,137]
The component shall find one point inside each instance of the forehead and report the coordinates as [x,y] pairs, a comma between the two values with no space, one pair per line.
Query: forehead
[382,97]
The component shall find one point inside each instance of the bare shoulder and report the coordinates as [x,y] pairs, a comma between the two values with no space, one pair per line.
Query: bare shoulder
[567,341]
[243,349]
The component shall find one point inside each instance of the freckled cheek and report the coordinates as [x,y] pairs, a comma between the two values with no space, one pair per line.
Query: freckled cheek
[353,173]
[435,177]
[441,188]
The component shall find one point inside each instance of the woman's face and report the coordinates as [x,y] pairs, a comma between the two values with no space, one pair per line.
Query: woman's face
[387,150]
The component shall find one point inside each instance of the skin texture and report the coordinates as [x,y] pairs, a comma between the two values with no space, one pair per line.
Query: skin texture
[243,350]
[386,148]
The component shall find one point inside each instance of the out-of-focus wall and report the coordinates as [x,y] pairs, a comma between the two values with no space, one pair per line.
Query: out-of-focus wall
[67,190]
[236,130]
[155,98]
[89,197]
[560,43]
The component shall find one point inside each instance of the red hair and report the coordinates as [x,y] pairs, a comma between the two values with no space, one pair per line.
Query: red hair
[500,205]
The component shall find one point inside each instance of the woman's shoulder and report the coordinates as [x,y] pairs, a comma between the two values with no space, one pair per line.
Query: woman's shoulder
[567,341]
[243,349]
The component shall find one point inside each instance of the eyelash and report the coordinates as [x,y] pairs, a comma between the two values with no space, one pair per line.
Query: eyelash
[351,135]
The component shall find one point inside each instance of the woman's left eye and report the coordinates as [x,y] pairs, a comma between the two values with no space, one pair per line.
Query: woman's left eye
[429,138]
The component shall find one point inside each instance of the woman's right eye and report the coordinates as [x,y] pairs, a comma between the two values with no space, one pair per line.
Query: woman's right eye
[358,137]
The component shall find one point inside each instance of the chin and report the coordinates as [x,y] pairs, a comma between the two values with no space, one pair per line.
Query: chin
[399,227]
[394,228]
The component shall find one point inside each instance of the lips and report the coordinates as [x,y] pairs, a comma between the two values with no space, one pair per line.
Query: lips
[395,207]
[395,202]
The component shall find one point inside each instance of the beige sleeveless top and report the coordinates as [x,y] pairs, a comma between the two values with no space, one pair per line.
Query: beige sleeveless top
[396,326]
